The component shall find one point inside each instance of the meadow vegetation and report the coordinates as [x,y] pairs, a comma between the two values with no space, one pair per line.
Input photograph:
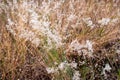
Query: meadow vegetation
[59,40]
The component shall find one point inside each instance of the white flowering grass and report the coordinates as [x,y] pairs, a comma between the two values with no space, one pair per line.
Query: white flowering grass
[55,29]
[33,18]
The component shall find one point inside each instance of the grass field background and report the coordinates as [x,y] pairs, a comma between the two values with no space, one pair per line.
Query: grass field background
[59,40]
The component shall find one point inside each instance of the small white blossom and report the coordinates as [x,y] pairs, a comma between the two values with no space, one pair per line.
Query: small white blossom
[106,68]
[73,64]
[75,45]
[104,21]
[118,51]
[46,23]
[71,17]
[89,45]
[89,22]
[10,22]
[55,63]
[76,75]
[36,41]
[57,5]
[62,65]
[51,70]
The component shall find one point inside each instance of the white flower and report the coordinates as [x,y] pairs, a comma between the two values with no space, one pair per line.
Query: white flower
[76,75]
[34,22]
[62,65]
[71,17]
[36,41]
[75,45]
[10,22]
[73,64]
[57,5]
[55,63]
[51,70]
[107,68]
[104,21]
[118,51]
[46,23]
[89,22]
[89,45]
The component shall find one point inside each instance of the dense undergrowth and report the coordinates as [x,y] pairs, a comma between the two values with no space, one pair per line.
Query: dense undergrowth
[60,40]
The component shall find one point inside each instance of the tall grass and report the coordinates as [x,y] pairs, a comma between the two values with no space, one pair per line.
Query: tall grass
[59,40]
